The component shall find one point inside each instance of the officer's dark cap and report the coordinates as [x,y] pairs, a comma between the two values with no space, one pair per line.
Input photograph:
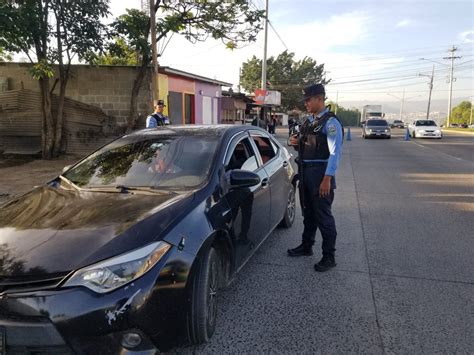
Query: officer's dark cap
[160,103]
[313,90]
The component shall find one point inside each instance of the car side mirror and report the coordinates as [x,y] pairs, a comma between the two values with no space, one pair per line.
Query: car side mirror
[66,168]
[243,178]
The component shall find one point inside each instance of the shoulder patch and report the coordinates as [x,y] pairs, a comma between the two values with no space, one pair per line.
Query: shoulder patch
[332,129]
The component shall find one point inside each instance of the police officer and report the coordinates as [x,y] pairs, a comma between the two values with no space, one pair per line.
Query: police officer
[319,146]
[158,118]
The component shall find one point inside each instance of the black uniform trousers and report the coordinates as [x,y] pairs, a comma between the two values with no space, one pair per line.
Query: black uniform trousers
[317,210]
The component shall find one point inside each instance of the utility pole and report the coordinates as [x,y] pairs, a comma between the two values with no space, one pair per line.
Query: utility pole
[154,59]
[431,88]
[337,98]
[401,106]
[264,62]
[451,79]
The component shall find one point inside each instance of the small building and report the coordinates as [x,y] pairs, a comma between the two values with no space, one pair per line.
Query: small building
[234,107]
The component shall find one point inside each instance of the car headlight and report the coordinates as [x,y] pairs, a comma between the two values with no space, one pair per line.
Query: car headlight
[370,130]
[115,272]
[437,131]
[420,130]
[387,130]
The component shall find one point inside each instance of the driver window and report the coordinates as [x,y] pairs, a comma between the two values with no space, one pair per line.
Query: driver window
[242,157]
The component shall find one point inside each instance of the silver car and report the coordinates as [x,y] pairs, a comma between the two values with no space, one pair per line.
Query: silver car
[377,128]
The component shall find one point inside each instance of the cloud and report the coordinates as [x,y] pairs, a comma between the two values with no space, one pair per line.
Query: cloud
[340,30]
[403,23]
[467,36]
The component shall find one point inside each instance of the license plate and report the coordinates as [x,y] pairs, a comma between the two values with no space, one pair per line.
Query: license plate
[3,341]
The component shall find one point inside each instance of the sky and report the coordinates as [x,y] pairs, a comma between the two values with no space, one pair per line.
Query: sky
[371,50]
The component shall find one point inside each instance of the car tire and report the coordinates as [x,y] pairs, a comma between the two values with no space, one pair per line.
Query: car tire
[290,211]
[203,306]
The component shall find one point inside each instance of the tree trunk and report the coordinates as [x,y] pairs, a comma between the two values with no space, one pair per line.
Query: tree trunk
[58,139]
[132,115]
[47,130]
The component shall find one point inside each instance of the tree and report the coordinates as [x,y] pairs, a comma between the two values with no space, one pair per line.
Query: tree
[232,22]
[4,56]
[55,31]
[348,117]
[461,113]
[118,53]
[284,74]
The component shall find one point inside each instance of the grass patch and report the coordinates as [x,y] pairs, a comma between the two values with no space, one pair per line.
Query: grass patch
[458,129]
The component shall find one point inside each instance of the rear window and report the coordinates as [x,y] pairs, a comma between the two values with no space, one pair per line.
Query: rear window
[376,123]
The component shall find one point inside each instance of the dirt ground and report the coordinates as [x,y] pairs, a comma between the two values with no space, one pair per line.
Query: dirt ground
[19,174]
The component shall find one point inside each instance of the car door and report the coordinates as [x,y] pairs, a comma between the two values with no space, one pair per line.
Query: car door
[250,206]
[275,165]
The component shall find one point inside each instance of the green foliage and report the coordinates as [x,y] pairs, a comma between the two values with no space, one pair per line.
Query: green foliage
[233,23]
[348,117]
[285,74]
[41,70]
[4,56]
[118,53]
[461,113]
[132,29]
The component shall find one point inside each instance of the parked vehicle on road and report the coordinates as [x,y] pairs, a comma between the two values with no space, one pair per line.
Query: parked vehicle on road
[125,252]
[376,128]
[424,129]
[397,124]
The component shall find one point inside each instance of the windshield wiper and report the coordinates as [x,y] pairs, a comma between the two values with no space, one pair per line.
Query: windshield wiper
[65,179]
[126,189]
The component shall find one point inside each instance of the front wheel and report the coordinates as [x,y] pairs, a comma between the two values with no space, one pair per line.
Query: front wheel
[290,211]
[203,309]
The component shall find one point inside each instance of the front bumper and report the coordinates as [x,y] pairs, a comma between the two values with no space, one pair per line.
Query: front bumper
[428,135]
[377,134]
[78,320]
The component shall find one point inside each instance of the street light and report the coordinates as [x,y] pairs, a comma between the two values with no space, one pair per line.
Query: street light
[402,101]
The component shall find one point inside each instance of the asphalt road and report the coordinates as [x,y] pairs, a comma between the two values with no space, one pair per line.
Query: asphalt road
[404,283]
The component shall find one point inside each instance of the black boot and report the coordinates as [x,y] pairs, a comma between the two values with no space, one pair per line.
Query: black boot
[304,249]
[325,264]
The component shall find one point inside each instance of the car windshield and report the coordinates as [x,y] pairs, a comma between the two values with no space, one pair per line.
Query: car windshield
[147,161]
[425,123]
[377,123]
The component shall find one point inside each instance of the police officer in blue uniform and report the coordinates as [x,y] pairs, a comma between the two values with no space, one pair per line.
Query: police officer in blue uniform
[158,118]
[319,146]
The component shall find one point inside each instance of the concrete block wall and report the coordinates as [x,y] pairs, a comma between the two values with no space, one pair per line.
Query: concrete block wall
[106,87]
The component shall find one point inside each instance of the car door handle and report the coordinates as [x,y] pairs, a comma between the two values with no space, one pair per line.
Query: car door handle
[265,182]
[285,164]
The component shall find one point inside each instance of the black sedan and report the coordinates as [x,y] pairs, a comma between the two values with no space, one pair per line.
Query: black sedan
[126,251]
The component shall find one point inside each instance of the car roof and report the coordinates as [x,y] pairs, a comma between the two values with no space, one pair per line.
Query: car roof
[204,130]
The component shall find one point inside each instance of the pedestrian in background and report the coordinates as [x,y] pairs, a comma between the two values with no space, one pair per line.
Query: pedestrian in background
[158,118]
[319,146]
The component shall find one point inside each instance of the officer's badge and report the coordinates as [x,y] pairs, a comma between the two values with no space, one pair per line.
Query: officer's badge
[332,130]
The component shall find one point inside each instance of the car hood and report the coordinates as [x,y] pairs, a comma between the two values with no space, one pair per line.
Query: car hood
[55,230]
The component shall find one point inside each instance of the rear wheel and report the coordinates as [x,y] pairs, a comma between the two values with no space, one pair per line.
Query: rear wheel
[290,211]
[203,310]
